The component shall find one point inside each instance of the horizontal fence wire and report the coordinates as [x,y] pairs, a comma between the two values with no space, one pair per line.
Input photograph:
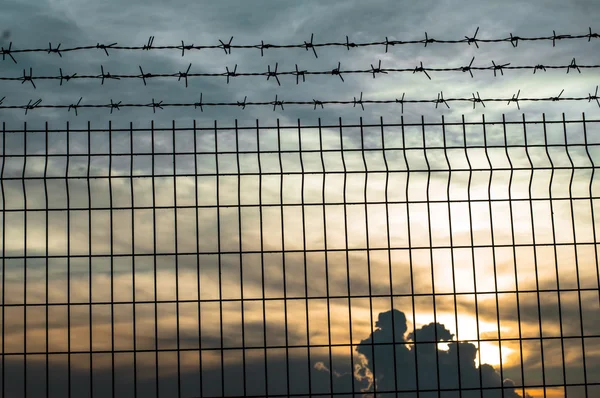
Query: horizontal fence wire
[350,259]
[299,74]
[307,45]
[314,103]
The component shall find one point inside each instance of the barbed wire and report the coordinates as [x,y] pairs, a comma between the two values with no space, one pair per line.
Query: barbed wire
[307,45]
[279,103]
[297,73]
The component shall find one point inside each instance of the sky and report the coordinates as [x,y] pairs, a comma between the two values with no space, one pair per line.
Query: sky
[275,312]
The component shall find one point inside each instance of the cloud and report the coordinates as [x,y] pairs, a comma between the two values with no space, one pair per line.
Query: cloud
[423,365]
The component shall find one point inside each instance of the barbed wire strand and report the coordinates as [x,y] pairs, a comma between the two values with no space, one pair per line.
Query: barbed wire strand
[279,103]
[297,73]
[307,45]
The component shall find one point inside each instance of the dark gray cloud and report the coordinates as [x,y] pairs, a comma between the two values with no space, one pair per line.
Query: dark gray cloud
[398,364]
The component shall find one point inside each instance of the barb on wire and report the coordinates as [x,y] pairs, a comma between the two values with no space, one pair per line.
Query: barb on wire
[148,46]
[32,106]
[590,97]
[421,69]
[348,44]
[478,99]
[401,102]
[230,74]
[360,101]
[428,40]
[243,104]
[441,100]
[75,106]
[499,67]
[143,75]
[199,104]
[106,75]
[102,47]
[514,40]
[388,43]
[515,99]
[336,71]
[377,70]
[310,45]
[116,106]
[273,73]
[263,46]
[67,77]
[299,73]
[473,39]
[226,46]
[277,103]
[29,78]
[559,37]
[8,52]
[557,98]
[314,102]
[468,68]
[574,66]
[184,47]
[156,105]
[539,66]
[184,75]
[54,50]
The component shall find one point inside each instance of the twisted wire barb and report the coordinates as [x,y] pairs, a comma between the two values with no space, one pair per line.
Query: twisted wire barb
[279,103]
[307,45]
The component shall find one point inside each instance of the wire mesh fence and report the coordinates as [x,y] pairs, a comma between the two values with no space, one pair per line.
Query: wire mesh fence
[447,258]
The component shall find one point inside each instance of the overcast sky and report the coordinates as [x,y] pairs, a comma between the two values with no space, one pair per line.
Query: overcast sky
[88,23]
[33,24]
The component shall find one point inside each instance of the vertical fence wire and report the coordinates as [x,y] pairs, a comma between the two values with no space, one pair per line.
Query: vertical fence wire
[535,258]
[576,257]
[472,244]
[514,253]
[410,258]
[197,256]
[389,254]
[47,247]
[4,259]
[452,264]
